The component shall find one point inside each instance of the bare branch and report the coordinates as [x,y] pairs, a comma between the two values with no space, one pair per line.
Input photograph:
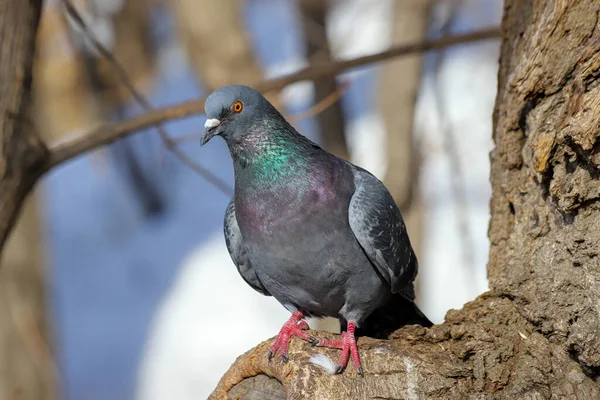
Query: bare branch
[322,105]
[123,76]
[108,133]
[318,71]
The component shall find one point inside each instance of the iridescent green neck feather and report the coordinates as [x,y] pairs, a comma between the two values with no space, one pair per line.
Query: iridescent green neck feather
[264,159]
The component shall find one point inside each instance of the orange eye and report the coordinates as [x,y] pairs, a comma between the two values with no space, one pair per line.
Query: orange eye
[237,106]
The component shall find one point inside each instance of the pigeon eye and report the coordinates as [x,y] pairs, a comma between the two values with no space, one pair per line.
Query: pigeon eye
[237,106]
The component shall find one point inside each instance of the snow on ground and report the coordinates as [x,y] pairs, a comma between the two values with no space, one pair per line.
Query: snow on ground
[209,317]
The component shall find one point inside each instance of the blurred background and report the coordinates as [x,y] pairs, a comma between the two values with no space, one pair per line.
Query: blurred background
[117,284]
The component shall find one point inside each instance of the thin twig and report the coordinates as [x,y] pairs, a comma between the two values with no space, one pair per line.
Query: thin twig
[108,133]
[322,105]
[124,77]
[314,72]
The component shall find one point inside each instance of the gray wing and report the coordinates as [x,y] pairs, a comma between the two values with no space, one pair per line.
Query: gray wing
[379,228]
[237,250]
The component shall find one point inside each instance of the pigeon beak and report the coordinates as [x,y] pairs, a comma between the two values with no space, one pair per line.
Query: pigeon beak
[210,130]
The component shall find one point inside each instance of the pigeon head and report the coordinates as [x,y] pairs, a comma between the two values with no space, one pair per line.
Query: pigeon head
[231,112]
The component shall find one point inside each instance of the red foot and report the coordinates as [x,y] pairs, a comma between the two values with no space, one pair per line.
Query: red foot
[349,348]
[293,327]
[303,325]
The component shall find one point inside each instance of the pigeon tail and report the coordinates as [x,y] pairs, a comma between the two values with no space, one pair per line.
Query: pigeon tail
[398,312]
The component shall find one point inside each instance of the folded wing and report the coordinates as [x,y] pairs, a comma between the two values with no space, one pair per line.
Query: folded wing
[237,250]
[379,228]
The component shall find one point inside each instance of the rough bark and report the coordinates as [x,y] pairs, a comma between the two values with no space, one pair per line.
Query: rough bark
[22,153]
[545,236]
[486,350]
[535,335]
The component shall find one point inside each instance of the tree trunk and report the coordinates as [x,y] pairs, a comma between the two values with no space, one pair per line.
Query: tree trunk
[535,335]
[26,363]
[217,44]
[398,98]
[330,121]
[545,236]
[397,101]
[134,49]
[22,153]
[63,99]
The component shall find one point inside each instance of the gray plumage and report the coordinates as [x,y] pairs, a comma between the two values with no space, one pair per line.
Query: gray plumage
[237,250]
[318,233]
[379,228]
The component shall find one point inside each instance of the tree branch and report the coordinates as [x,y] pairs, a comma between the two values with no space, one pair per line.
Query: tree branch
[141,100]
[108,133]
[24,157]
[322,104]
[486,350]
[22,153]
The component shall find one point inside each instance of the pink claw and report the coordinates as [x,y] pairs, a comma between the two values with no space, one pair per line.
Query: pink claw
[303,325]
[293,327]
[349,349]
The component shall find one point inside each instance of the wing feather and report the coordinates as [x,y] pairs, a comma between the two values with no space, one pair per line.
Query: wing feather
[237,250]
[379,228]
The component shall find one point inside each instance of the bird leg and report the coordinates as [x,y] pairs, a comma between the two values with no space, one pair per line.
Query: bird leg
[349,349]
[293,327]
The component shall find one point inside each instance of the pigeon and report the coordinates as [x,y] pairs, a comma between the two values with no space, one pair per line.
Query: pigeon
[321,235]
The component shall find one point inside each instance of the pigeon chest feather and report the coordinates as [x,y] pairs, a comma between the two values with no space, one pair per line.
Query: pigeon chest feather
[287,208]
